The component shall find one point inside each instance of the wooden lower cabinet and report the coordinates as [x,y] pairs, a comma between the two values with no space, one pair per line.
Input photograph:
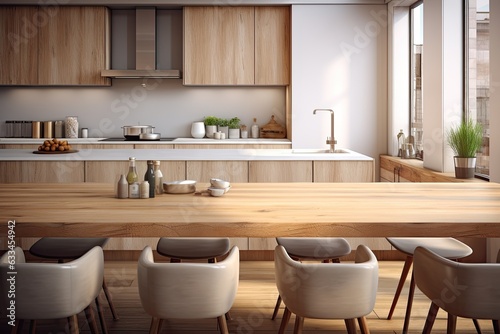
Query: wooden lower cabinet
[42,171]
[280,171]
[203,171]
[344,171]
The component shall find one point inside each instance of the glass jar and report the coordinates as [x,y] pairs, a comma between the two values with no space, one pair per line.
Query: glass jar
[71,125]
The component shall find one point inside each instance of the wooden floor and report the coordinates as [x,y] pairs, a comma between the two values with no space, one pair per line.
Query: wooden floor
[253,307]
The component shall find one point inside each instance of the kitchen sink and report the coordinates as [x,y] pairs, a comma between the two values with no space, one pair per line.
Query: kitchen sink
[317,151]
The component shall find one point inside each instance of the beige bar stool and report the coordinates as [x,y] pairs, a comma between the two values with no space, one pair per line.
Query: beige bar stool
[321,249]
[62,249]
[449,248]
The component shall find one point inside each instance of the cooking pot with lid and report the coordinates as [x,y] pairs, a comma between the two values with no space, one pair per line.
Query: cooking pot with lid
[134,131]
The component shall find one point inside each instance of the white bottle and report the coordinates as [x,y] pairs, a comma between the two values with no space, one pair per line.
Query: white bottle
[122,188]
[158,178]
[144,189]
[255,129]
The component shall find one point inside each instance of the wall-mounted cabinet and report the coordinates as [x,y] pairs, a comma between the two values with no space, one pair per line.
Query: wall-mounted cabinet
[53,45]
[236,45]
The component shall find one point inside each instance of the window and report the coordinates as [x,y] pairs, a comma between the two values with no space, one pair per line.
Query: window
[416,49]
[477,71]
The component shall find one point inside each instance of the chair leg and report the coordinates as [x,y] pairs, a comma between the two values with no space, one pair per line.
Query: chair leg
[276,308]
[284,321]
[299,325]
[402,279]
[221,320]
[228,316]
[154,327]
[476,325]
[452,324]
[73,324]
[409,305]
[431,317]
[100,313]
[350,325]
[33,326]
[110,299]
[89,313]
[495,326]
[363,327]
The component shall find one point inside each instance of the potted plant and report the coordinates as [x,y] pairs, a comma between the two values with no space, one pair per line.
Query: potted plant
[234,128]
[465,140]
[211,123]
[224,126]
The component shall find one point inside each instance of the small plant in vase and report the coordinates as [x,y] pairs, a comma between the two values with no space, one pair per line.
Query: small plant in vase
[234,128]
[211,123]
[465,140]
[224,126]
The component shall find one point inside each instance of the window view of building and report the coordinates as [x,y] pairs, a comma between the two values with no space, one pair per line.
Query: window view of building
[478,78]
[416,112]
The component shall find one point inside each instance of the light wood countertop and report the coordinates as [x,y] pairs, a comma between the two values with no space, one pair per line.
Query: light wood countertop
[256,210]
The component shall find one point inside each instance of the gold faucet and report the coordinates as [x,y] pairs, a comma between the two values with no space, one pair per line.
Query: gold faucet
[329,140]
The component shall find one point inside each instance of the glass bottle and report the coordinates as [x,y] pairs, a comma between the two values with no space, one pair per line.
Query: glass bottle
[132,176]
[150,177]
[158,178]
[255,129]
[401,143]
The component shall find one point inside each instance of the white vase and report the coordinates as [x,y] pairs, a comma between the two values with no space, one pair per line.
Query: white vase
[210,130]
[234,133]
[198,130]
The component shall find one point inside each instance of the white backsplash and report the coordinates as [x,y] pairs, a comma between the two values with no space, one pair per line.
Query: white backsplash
[163,103]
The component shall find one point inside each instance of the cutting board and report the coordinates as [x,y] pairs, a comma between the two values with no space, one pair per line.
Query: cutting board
[272,130]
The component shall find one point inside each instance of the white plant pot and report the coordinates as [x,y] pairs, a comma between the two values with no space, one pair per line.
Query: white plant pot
[198,130]
[210,130]
[234,133]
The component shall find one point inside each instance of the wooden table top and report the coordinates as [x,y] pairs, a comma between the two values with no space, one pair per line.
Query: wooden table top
[256,210]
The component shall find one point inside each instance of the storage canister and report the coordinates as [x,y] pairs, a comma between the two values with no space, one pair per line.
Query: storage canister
[71,125]
[48,129]
[58,129]
[36,129]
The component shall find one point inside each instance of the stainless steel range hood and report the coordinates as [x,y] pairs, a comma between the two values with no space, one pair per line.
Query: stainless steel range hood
[145,53]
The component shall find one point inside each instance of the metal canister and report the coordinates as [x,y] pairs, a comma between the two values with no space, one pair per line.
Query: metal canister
[48,129]
[36,129]
[27,129]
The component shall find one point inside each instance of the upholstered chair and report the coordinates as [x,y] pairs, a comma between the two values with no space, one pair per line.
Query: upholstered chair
[468,290]
[327,291]
[178,249]
[319,249]
[52,290]
[187,290]
[447,247]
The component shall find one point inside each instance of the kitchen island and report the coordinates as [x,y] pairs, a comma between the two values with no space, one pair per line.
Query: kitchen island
[256,210]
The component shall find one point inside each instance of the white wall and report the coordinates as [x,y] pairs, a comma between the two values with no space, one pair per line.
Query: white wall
[165,104]
[339,61]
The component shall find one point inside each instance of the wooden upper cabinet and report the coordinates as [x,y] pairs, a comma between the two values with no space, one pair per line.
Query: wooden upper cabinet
[73,47]
[236,45]
[218,46]
[272,45]
[18,45]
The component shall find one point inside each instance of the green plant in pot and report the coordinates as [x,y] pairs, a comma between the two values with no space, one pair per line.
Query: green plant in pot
[211,123]
[224,126]
[234,128]
[465,140]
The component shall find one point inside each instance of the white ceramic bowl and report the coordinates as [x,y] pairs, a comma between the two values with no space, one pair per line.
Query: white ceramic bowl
[218,183]
[216,192]
[179,187]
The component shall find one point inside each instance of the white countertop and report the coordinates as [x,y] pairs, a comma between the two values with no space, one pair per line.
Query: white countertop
[204,141]
[182,155]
